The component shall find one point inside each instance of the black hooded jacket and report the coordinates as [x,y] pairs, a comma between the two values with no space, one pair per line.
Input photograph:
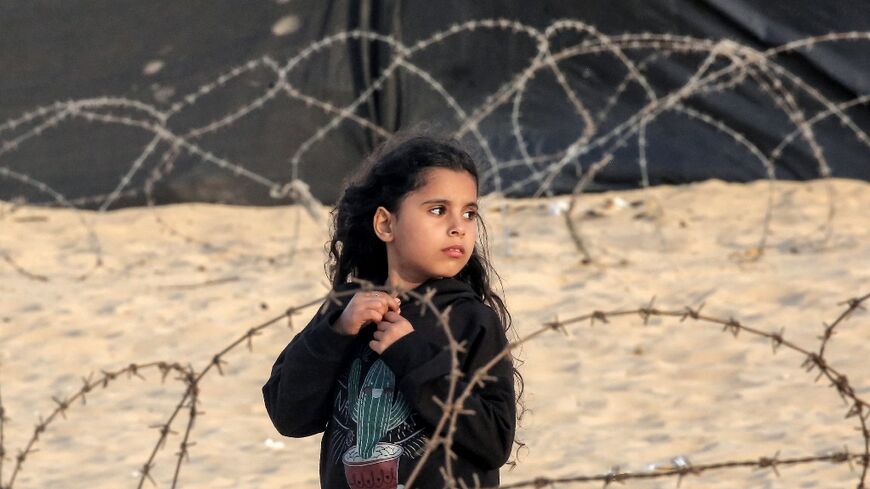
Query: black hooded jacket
[382,405]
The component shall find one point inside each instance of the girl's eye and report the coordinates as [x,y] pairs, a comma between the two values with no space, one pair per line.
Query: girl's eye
[441,208]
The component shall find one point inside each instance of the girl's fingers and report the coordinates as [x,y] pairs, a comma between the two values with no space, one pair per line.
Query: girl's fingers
[391,316]
[379,303]
[375,303]
[374,315]
[387,301]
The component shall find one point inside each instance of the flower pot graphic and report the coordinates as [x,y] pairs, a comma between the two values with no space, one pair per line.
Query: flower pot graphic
[377,408]
[380,471]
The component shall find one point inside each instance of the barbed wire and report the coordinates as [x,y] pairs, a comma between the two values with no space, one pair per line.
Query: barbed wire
[681,466]
[453,405]
[599,137]
[743,63]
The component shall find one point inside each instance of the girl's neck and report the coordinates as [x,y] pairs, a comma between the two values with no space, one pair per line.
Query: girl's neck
[399,283]
[394,279]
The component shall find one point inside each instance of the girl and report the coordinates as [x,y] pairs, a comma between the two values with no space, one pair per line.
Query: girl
[368,374]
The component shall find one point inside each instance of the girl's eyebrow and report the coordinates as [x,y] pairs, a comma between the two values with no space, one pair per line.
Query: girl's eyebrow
[445,201]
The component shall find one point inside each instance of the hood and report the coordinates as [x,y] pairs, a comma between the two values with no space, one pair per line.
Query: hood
[447,291]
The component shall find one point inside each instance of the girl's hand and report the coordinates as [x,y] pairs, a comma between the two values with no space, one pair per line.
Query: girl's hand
[363,307]
[393,327]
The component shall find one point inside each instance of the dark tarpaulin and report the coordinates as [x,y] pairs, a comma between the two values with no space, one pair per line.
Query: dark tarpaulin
[58,51]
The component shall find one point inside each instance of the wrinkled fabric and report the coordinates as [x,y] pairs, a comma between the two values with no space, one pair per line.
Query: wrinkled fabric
[377,412]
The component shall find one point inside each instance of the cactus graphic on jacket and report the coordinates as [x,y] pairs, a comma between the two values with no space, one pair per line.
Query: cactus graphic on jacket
[377,412]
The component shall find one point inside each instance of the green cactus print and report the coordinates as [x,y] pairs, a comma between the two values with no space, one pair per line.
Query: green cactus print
[353,387]
[378,408]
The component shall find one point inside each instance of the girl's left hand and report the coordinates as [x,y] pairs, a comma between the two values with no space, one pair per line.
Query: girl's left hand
[393,327]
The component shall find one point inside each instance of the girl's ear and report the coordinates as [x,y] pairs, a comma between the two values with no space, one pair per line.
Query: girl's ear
[383,224]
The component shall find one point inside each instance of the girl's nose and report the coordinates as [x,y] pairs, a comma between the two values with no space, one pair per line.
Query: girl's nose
[457,226]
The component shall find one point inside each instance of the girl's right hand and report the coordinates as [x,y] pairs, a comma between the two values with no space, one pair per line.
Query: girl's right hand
[363,307]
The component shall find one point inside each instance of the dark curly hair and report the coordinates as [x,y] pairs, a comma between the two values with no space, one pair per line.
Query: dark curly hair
[395,168]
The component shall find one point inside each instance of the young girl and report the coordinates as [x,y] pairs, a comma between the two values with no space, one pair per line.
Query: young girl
[367,372]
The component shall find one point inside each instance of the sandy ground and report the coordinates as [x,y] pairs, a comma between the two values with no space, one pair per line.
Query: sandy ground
[611,394]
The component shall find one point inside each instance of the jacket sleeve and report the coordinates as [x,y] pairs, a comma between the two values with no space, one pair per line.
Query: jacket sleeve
[298,394]
[423,370]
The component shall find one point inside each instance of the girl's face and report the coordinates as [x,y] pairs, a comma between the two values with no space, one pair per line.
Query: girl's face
[440,215]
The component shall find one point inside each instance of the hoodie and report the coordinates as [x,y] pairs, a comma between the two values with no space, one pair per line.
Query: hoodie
[377,412]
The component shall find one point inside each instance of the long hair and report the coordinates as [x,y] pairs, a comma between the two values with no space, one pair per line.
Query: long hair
[395,168]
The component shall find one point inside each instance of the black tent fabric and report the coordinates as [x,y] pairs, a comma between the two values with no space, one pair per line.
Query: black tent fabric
[103,104]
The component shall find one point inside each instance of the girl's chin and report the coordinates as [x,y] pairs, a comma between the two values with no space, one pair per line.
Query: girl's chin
[443,273]
[452,272]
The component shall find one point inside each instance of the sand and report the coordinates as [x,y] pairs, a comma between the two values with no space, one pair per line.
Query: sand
[179,283]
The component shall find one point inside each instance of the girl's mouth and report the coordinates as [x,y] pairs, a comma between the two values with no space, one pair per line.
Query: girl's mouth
[454,251]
